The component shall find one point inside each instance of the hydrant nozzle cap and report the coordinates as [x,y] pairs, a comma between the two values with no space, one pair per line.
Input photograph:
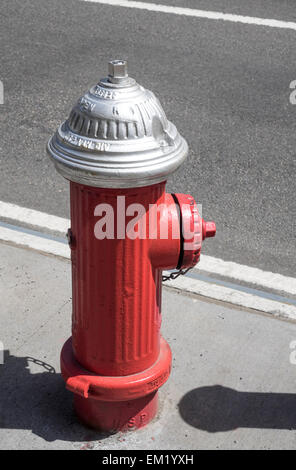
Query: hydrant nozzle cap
[117,135]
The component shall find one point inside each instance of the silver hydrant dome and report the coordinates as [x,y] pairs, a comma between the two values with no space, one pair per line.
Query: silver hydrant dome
[118,136]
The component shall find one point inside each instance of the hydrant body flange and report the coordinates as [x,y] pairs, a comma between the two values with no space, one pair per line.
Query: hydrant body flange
[117,148]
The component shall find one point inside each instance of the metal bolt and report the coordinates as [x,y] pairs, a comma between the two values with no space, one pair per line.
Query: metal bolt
[117,70]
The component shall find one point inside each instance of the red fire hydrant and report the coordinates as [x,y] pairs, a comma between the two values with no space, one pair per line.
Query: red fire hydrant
[117,148]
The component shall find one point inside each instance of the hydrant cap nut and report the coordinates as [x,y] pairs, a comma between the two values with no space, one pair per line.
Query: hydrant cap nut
[117,70]
[208,229]
[117,135]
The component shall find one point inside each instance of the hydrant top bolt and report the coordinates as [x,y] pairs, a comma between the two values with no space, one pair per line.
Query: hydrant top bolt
[117,71]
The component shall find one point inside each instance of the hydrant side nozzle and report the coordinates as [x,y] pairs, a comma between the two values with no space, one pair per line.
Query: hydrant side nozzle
[191,230]
[165,248]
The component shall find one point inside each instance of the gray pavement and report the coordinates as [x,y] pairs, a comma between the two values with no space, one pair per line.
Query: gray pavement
[232,384]
[225,85]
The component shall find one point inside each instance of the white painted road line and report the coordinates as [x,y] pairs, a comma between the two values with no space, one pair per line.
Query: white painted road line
[250,275]
[194,286]
[211,15]
[34,242]
[34,218]
[225,294]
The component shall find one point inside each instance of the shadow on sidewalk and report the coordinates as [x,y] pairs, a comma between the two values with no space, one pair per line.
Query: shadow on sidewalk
[217,409]
[39,402]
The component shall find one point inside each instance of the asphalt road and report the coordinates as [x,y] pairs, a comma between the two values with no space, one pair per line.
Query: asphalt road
[225,86]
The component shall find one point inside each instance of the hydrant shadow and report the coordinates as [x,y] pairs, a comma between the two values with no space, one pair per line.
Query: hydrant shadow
[39,402]
[217,409]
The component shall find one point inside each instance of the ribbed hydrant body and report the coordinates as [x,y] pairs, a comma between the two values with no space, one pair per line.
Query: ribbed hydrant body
[117,149]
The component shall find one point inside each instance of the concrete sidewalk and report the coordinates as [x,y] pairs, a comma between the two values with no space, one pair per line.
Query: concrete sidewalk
[232,384]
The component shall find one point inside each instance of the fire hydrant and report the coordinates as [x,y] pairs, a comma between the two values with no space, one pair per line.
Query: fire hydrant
[117,148]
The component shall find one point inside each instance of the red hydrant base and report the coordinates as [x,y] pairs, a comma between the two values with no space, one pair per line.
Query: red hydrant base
[113,403]
[116,416]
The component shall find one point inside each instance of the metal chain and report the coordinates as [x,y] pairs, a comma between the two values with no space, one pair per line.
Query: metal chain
[175,274]
[46,366]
